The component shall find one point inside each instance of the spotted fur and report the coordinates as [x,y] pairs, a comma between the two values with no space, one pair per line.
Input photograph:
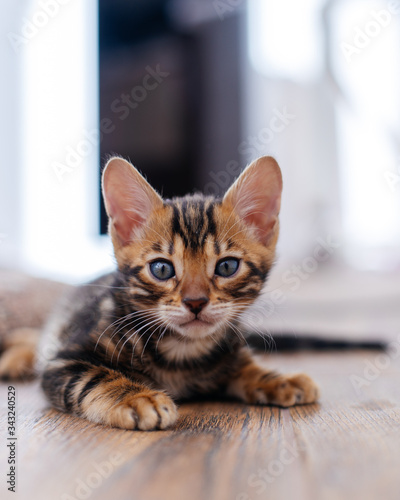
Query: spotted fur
[124,349]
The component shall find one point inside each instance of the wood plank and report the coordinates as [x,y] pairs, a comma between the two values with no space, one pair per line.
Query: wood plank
[346,447]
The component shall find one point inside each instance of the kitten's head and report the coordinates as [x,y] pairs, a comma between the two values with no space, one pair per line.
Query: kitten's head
[196,262]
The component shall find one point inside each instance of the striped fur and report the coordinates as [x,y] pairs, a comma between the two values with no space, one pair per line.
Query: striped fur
[127,346]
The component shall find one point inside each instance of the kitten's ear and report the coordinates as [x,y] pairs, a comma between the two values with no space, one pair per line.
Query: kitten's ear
[256,197]
[129,199]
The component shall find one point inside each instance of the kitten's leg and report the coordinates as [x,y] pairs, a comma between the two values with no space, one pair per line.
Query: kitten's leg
[105,396]
[255,385]
[18,355]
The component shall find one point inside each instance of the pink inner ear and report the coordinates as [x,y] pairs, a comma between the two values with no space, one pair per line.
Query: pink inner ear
[263,218]
[128,197]
[256,196]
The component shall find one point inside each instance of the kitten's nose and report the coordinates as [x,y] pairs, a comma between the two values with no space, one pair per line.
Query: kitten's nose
[195,305]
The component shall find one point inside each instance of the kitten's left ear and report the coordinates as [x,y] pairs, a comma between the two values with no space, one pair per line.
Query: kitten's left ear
[256,197]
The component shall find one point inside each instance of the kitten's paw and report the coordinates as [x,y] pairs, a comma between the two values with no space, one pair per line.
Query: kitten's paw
[146,411]
[17,363]
[287,390]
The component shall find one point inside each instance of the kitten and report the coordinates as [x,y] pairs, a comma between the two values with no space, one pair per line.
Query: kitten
[164,326]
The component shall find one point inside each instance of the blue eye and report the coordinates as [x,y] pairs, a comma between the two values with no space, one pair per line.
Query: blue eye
[162,269]
[227,267]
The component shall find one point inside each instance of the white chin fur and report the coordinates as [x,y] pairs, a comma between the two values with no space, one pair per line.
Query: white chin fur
[196,331]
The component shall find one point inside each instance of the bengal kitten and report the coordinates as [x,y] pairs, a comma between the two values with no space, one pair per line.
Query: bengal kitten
[164,326]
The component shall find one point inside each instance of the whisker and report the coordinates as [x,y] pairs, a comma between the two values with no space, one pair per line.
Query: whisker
[118,320]
[147,341]
[105,286]
[130,336]
[215,340]
[148,316]
[141,336]
[237,332]
[162,334]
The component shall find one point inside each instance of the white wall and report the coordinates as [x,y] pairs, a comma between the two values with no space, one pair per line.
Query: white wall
[10,134]
[284,74]
[344,136]
[55,181]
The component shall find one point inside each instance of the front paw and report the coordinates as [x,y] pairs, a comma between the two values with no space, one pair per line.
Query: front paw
[147,411]
[285,390]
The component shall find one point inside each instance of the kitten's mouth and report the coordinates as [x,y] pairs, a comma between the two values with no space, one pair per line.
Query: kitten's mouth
[197,328]
[195,322]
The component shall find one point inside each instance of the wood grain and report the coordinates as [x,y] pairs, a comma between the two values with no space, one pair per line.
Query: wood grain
[346,447]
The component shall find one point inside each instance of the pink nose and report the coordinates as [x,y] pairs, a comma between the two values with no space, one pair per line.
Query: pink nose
[195,305]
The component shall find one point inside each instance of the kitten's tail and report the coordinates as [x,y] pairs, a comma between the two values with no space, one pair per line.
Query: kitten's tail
[292,342]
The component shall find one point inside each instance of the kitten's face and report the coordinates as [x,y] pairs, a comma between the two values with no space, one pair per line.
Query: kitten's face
[194,263]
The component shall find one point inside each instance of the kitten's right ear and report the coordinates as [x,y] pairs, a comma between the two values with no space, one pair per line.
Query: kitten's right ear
[129,199]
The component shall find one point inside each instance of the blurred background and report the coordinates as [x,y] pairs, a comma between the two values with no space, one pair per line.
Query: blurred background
[191,91]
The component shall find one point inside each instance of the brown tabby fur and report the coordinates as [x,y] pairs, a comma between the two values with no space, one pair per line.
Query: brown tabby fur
[124,349]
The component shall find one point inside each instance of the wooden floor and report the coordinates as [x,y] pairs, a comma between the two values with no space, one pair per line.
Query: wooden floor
[346,447]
